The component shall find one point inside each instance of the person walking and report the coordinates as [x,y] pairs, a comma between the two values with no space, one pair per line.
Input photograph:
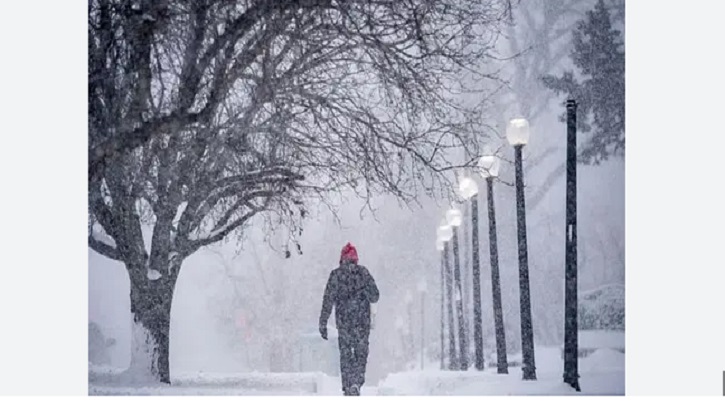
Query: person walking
[351,290]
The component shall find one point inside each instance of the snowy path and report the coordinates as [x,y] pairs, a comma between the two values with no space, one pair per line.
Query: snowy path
[602,373]
[109,381]
[187,391]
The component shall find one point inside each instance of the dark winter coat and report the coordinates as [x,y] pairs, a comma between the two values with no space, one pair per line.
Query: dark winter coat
[350,289]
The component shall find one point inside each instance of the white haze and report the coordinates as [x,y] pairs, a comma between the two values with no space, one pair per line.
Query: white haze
[398,247]
[399,250]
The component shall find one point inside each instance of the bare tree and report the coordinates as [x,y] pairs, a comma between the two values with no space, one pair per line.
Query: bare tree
[158,66]
[206,114]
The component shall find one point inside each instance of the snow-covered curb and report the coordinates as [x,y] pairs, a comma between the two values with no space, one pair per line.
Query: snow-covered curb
[115,381]
[492,384]
[601,373]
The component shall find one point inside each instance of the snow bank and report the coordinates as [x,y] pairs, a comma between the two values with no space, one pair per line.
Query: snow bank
[425,383]
[111,381]
[471,383]
[308,382]
[602,373]
[548,358]
[186,391]
[603,360]
[489,383]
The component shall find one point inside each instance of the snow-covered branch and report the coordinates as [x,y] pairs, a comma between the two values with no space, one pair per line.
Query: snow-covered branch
[104,245]
[219,234]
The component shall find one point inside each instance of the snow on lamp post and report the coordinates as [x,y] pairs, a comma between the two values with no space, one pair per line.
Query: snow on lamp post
[517,133]
[489,165]
[440,245]
[468,189]
[455,219]
[445,233]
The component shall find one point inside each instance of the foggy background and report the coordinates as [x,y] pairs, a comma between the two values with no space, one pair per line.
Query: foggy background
[242,305]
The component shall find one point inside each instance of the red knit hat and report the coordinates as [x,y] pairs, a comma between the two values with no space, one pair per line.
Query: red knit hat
[349,253]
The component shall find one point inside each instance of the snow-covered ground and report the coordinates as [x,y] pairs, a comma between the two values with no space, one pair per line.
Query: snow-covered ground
[601,373]
[109,381]
[106,381]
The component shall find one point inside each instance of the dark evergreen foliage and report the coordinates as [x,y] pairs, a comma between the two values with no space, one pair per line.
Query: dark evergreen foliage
[597,86]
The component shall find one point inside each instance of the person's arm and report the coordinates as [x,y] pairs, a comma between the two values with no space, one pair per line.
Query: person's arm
[371,289]
[328,300]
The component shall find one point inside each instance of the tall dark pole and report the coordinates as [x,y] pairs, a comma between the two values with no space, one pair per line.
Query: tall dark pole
[501,358]
[409,327]
[466,272]
[571,374]
[422,330]
[466,279]
[477,322]
[452,357]
[463,346]
[527,329]
[443,313]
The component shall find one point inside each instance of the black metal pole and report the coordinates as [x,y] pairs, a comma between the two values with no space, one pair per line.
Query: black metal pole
[463,346]
[443,314]
[477,322]
[422,330]
[501,358]
[452,356]
[466,281]
[410,330]
[571,351]
[527,329]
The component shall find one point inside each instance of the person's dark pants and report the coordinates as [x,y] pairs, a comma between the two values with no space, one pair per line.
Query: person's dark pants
[353,345]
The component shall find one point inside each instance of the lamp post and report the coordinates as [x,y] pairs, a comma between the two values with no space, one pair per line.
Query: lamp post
[571,329]
[489,165]
[468,189]
[455,218]
[422,288]
[445,233]
[439,247]
[400,327]
[517,133]
[410,346]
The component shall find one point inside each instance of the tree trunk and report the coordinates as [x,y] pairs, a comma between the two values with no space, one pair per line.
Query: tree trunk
[151,310]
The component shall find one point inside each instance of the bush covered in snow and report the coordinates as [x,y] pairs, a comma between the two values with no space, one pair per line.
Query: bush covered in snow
[602,308]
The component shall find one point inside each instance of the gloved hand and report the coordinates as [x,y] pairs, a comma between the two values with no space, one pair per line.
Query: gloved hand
[323,331]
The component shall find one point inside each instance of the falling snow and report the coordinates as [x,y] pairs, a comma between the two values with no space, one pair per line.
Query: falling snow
[247,217]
